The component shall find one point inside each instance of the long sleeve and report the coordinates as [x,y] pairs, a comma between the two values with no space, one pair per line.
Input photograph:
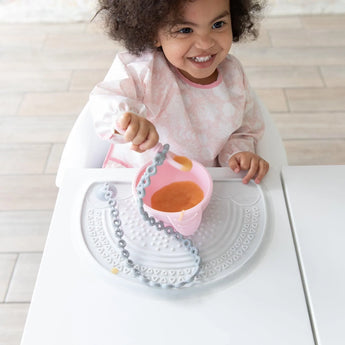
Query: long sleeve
[120,92]
[250,130]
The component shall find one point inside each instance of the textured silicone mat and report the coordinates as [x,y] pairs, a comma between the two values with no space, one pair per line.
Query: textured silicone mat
[231,231]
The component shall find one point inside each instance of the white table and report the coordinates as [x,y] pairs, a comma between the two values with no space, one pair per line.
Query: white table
[263,304]
[316,201]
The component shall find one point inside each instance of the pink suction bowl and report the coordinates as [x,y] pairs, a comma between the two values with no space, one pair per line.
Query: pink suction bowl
[185,222]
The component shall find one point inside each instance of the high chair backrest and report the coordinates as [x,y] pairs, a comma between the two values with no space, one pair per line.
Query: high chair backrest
[84,149]
[270,146]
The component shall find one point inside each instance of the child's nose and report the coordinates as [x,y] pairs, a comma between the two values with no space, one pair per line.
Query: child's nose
[204,42]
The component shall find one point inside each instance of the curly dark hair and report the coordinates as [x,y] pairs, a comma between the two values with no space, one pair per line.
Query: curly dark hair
[135,23]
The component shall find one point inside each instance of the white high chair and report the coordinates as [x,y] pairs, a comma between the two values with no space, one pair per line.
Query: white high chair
[84,149]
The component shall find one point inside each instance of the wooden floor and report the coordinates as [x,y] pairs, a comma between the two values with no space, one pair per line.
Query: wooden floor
[46,73]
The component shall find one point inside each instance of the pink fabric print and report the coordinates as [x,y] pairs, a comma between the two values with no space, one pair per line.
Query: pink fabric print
[207,123]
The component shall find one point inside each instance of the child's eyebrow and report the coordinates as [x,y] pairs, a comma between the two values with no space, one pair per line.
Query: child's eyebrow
[222,15]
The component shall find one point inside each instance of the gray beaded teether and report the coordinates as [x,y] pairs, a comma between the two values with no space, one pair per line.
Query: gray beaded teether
[110,197]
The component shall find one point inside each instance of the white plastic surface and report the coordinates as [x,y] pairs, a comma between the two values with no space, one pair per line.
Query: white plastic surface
[74,303]
[316,201]
[231,230]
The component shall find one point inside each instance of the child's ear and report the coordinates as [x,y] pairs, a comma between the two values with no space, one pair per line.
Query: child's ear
[157,43]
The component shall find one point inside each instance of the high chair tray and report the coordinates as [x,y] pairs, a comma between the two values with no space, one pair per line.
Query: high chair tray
[231,231]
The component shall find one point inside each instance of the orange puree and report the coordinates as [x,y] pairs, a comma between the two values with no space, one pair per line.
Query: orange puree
[186,163]
[177,196]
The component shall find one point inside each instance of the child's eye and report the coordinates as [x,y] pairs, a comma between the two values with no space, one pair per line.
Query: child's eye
[185,31]
[218,25]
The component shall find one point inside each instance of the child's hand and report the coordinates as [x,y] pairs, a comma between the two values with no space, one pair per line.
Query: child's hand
[256,166]
[141,132]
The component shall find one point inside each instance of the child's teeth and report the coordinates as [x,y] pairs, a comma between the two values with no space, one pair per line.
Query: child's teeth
[202,58]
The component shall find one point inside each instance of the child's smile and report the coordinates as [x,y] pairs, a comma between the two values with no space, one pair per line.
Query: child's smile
[203,61]
[200,40]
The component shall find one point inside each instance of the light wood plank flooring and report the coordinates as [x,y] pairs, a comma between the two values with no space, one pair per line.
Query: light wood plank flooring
[46,72]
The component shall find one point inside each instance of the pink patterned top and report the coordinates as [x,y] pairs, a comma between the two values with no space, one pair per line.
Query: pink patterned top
[207,123]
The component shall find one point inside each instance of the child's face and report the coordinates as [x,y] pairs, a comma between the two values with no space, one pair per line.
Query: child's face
[200,41]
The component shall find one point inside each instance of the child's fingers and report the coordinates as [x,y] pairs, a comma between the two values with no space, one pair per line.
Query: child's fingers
[128,126]
[141,132]
[256,167]
[135,128]
[151,140]
[253,168]
[263,168]
[131,132]
[146,145]
[141,135]
[124,121]
[138,130]
[234,164]
[141,142]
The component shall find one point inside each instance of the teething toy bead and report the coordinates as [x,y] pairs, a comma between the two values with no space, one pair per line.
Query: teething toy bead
[130,263]
[187,243]
[169,230]
[141,193]
[194,251]
[111,202]
[145,183]
[119,233]
[112,189]
[152,170]
[115,213]
[108,194]
[197,260]
[178,236]
[160,225]
[122,243]
[159,159]
[152,221]
[117,223]
[125,253]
